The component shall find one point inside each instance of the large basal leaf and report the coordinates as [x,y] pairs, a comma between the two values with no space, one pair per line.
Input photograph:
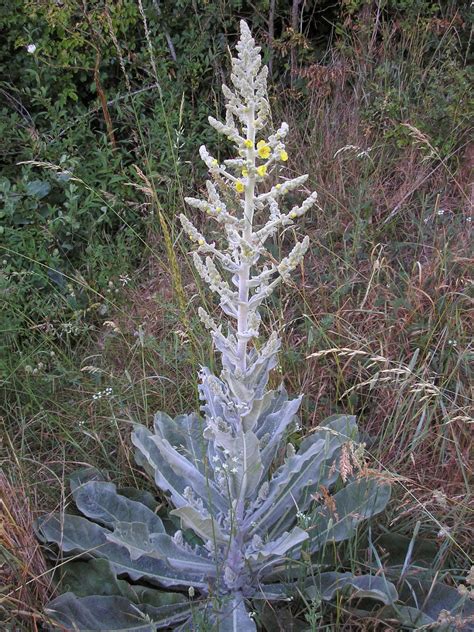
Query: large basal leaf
[101,502]
[95,577]
[107,613]
[134,536]
[431,598]
[358,501]
[74,534]
[182,557]
[326,585]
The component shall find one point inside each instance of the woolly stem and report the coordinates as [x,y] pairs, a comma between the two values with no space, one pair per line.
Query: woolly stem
[244,273]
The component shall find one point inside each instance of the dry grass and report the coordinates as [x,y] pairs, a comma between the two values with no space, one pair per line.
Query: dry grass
[24,575]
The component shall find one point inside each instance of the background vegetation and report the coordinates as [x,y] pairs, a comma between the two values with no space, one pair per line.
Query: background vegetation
[103,106]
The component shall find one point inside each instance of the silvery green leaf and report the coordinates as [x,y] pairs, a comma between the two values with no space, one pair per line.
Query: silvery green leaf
[183,558]
[279,547]
[219,435]
[214,393]
[101,502]
[74,534]
[344,427]
[326,585]
[237,386]
[259,408]
[134,536]
[359,500]
[205,527]
[272,401]
[86,474]
[186,471]
[433,597]
[110,613]
[169,468]
[185,434]
[95,577]
[275,592]
[139,496]
[279,422]
[249,466]
[139,542]
[293,482]
[412,618]
[234,617]
[148,455]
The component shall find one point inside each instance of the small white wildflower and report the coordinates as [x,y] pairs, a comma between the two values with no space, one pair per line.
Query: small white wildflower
[440,211]
[191,591]
[31,48]
[443,532]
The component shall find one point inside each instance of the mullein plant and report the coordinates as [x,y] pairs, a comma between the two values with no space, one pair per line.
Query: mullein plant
[247,505]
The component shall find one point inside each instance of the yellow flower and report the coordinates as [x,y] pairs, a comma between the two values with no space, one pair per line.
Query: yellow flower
[278,186]
[201,242]
[292,215]
[283,155]
[218,209]
[245,172]
[214,162]
[262,170]
[248,143]
[239,186]
[263,149]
